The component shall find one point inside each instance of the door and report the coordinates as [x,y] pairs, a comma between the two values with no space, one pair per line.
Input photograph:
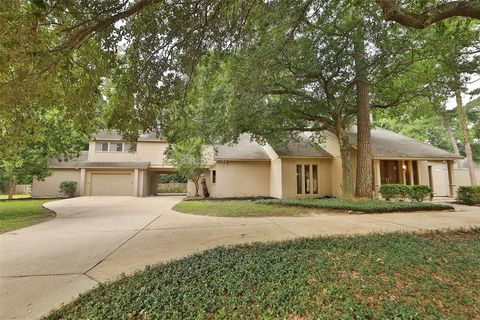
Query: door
[440,180]
[389,171]
[111,184]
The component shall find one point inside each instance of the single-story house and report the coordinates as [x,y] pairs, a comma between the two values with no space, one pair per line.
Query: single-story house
[247,168]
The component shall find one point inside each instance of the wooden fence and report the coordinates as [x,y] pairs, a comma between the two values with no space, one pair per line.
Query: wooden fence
[172,187]
[23,189]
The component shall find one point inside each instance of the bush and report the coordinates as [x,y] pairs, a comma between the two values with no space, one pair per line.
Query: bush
[402,192]
[68,188]
[420,193]
[394,191]
[361,205]
[469,194]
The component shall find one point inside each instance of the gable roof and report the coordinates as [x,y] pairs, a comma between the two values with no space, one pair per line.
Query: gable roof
[301,148]
[244,149]
[385,143]
[109,135]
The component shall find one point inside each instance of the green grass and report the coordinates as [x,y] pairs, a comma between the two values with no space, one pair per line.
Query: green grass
[16,196]
[364,205]
[19,214]
[393,276]
[237,208]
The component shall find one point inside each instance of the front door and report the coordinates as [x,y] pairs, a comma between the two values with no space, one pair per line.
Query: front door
[389,171]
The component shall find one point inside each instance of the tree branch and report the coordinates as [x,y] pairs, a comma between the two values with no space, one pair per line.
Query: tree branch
[75,40]
[392,12]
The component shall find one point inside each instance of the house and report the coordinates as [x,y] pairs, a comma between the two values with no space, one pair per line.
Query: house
[247,168]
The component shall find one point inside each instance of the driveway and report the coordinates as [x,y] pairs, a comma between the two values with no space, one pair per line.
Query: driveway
[95,239]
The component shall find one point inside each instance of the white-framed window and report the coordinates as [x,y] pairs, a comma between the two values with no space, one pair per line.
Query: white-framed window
[113,146]
[101,146]
[116,147]
[307,178]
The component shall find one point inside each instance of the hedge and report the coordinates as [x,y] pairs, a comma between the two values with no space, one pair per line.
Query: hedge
[469,194]
[403,192]
[361,205]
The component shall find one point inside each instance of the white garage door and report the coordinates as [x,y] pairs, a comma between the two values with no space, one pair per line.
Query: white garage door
[111,184]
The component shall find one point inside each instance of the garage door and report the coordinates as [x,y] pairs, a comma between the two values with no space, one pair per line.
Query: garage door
[111,184]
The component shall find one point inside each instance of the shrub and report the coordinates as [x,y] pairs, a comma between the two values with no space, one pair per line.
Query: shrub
[402,192]
[68,188]
[469,194]
[420,193]
[394,191]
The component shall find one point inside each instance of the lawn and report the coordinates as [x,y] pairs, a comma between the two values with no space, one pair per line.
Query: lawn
[362,205]
[16,196]
[22,213]
[237,208]
[393,276]
[292,207]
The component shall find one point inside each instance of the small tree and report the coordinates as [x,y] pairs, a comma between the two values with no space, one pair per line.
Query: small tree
[187,158]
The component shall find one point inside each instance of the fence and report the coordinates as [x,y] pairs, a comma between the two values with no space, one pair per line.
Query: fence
[172,187]
[23,189]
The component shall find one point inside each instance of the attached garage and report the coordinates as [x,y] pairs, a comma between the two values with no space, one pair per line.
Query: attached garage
[111,184]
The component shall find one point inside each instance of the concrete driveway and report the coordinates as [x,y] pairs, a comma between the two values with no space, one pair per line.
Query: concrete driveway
[95,239]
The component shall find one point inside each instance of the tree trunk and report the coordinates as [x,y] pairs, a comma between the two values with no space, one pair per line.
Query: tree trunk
[363,185]
[462,119]
[346,156]
[196,188]
[206,194]
[11,188]
[440,110]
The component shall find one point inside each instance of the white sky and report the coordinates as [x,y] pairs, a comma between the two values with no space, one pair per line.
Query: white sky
[474,84]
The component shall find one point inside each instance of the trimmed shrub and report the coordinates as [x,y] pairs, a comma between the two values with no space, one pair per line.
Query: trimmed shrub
[68,188]
[469,194]
[403,192]
[394,191]
[420,193]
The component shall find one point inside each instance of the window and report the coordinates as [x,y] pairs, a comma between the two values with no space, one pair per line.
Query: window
[214,176]
[101,146]
[116,147]
[130,147]
[299,179]
[307,179]
[315,178]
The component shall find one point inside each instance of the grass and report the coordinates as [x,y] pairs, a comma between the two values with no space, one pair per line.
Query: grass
[237,208]
[363,205]
[393,276]
[19,214]
[16,196]
[294,207]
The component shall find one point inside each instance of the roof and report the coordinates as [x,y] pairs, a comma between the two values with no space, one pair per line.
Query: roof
[115,135]
[82,162]
[385,143]
[301,148]
[244,149]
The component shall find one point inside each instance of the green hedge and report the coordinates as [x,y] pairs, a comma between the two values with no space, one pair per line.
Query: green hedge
[363,205]
[403,192]
[469,195]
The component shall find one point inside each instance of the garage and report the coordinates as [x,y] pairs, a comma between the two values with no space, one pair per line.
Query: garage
[111,184]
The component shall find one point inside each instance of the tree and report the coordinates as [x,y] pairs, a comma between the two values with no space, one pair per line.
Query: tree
[304,72]
[438,12]
[188,159]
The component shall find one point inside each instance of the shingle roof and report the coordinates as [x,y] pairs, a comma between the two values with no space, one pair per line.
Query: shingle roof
[301,148]
[82,162]
[385,143]
[115,135]
[244,149]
